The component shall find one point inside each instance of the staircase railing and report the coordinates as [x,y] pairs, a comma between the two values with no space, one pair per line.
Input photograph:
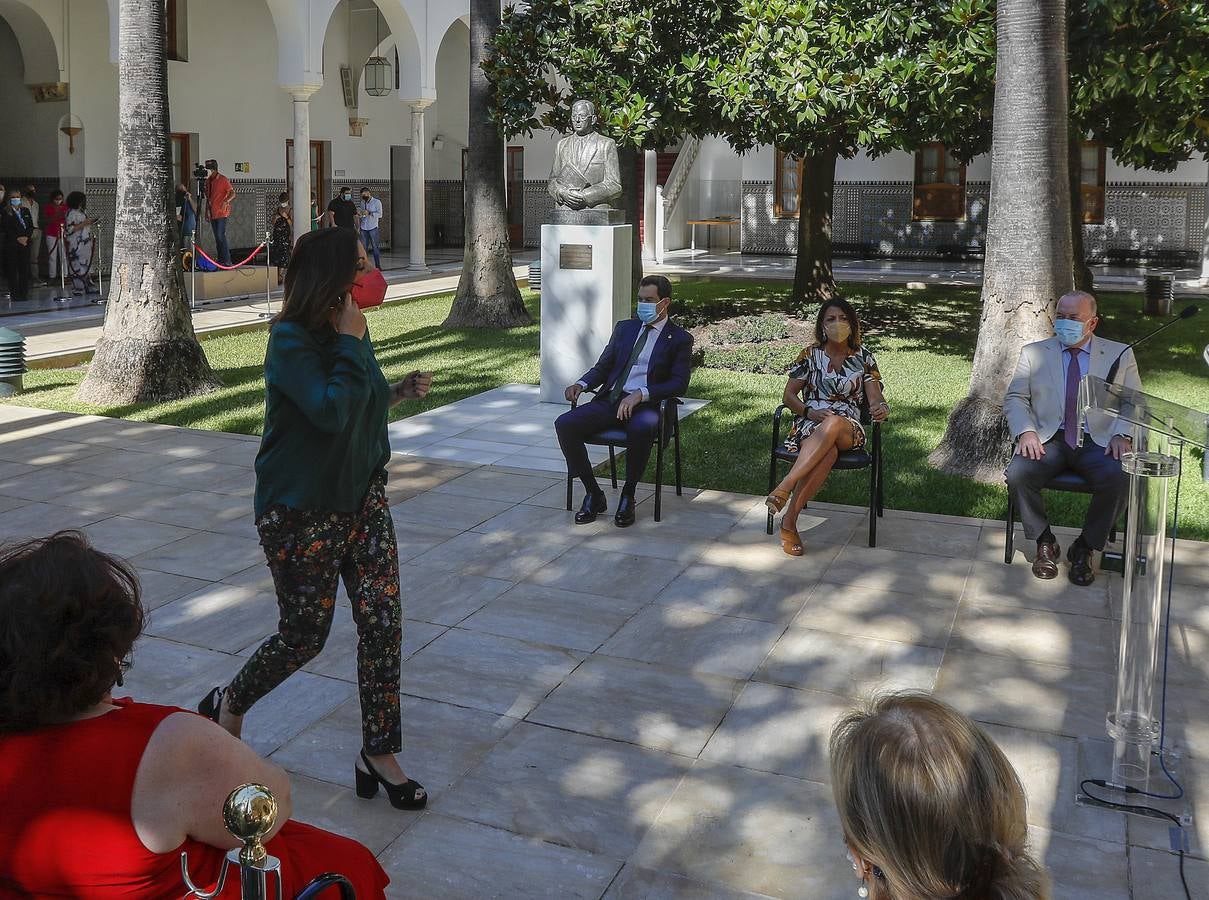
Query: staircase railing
[667,196]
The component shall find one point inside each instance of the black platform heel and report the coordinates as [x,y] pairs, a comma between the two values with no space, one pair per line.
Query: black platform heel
[401,796]
[211,704]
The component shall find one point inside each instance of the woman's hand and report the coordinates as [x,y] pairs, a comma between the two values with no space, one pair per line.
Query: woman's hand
[818,415]
[879,411]
[414,387]
[348,319]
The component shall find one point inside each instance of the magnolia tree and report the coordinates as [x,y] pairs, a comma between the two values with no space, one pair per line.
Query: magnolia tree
[1139,83]
[822,81]
[148,350]
[643,63]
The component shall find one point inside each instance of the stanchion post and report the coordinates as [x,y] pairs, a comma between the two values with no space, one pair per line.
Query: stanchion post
[268,276]
[61,252]
[100,264]
[193,270]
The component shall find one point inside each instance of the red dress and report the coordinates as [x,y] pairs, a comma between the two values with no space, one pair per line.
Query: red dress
[65,827]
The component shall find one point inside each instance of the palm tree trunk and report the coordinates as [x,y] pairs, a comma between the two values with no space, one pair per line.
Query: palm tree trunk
[487,295]
[1028,256]
[148,350]
[1083,279]
[813,279]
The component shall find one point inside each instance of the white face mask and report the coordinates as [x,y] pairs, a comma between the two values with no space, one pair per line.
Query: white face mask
[284,204]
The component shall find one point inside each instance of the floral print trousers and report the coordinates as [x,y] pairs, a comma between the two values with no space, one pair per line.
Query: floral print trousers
[308,551]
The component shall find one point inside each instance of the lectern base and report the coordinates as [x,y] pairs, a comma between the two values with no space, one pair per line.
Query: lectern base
[1095,764]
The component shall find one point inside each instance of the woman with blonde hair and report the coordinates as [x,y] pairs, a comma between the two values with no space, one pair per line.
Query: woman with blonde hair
[930,807]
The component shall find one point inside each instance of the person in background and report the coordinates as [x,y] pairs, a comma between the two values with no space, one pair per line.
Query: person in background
[77,235]
[929,805]
[186,214]
[369,215]
[316,217]
[648,360]
[16,227]
[102,794]
[220,197]
[282,236]
[321,508]
[828,383]
[1041,406]
[29,199]
[54,214]
[342,211]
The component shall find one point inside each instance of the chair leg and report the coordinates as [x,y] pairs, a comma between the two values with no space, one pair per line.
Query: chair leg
[613,466]
[772,483]
[1010,539]
[676,438]
[873,505]
[881,485]
[659,477]
[569,485]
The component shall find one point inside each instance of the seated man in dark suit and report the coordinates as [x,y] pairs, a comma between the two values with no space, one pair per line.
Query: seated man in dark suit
[648,359]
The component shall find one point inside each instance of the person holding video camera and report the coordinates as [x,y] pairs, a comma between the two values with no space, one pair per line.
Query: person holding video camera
[321,507]
[220,197]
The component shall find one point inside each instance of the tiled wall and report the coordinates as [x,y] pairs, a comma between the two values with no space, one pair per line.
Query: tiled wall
[1156,221]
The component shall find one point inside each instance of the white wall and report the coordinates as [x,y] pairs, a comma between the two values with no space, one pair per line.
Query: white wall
[1192,171]
[30,146]
[450,115]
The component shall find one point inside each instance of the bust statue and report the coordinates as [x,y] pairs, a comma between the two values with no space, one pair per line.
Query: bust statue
[585,175]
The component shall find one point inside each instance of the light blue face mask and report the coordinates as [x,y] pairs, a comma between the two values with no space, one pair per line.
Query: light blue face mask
[15,201]
[1069,331]
[647,312]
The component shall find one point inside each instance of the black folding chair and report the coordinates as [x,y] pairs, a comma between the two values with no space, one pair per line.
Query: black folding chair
[669,432]
[868,456]
[1071,482]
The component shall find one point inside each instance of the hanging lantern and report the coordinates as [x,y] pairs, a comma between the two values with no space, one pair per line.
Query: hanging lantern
[378,80]
[378,75]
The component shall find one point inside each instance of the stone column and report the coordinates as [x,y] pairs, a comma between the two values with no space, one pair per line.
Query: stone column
[301,184]
[419,146]
[650,183]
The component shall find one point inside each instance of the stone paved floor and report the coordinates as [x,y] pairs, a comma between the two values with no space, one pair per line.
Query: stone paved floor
[621,714]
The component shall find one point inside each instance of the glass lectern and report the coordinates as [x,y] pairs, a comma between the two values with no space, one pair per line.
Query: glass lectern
[1158,428]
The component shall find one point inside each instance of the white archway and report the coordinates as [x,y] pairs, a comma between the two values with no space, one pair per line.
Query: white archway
[39,28]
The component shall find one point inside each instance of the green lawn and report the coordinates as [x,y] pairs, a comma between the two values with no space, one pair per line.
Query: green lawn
[924,341]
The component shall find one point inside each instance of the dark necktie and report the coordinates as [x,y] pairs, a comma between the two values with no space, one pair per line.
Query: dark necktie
[1070,425]
[619,384]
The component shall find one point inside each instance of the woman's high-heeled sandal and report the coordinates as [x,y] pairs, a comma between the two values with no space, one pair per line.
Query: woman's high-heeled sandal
[791,542]
[408,795]
[211,704]
[776,501]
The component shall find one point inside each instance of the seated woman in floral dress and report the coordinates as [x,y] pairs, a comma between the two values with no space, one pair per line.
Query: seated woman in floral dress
[827,385]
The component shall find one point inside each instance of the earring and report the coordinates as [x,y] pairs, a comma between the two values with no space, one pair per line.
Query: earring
[862,891]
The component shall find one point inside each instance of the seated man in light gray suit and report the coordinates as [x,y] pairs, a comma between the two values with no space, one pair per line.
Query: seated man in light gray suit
[1042,411]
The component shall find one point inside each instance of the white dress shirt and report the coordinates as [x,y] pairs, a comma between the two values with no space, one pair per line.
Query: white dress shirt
[371,213]
[637,380]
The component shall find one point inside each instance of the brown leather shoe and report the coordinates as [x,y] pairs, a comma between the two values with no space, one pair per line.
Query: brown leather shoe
[1080,565]
[1045,563]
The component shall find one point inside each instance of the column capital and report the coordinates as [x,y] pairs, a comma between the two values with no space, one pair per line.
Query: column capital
[421,104]
[301,92]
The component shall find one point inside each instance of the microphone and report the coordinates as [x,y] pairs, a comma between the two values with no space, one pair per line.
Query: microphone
[1186,313]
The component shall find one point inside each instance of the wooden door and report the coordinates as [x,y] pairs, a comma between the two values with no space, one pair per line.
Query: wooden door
[514,185]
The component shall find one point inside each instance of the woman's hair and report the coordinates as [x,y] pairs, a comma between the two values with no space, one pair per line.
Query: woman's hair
[820,336]
[322,268]
[76,200]
[926,797]
[69,615]
[283,196]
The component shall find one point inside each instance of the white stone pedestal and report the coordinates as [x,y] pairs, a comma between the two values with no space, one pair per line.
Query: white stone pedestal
[586,275]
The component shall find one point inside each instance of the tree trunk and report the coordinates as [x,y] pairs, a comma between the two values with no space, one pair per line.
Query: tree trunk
[1028,256]
[627,160]
[148,351]
[487,295]
[1083,279]
[813,281]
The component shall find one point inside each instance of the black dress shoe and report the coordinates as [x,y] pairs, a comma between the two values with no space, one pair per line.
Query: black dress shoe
[624,517]
[1045,563]
[1079,557]
[593,506]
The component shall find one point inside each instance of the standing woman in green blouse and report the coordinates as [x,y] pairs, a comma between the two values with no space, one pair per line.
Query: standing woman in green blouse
[321,508]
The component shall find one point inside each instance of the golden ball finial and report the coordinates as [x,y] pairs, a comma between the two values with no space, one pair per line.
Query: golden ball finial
[249,814]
